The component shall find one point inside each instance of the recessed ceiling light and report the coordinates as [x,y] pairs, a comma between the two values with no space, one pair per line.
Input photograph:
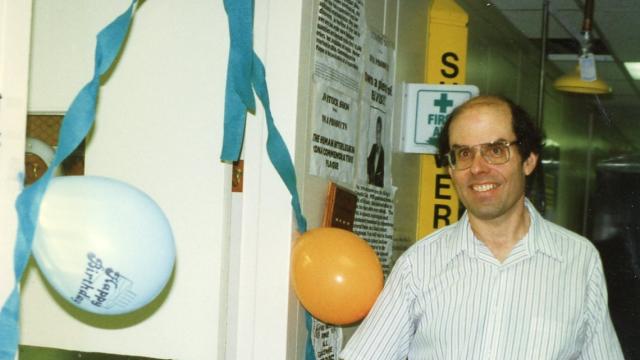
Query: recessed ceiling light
[634,69]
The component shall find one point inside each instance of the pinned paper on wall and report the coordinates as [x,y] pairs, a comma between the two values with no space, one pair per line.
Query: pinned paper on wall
[375,130]
[374,220]
[339,43]
[334,130]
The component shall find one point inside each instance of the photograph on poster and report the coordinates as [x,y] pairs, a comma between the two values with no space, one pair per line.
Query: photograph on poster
[375,160]
[377,138]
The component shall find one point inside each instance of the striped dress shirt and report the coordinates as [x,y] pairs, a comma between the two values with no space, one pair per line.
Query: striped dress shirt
[448,297]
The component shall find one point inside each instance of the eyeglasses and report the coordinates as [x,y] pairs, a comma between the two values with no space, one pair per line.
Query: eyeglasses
[495,153]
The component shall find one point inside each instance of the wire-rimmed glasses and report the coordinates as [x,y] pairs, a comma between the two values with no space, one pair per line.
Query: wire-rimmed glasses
[495,153]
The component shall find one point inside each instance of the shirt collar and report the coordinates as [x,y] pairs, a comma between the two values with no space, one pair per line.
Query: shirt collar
[541,238]
[462,239]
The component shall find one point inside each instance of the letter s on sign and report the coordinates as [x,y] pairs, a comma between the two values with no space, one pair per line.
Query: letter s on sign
[451,65]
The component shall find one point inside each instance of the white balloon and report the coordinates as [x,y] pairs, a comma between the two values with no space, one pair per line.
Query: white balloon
[105,246]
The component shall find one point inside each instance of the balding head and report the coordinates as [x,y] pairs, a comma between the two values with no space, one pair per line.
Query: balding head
[527,133]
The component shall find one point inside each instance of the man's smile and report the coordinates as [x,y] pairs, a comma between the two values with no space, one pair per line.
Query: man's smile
[484,187]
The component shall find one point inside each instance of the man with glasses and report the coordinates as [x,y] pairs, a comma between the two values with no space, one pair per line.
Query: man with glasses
[501,283]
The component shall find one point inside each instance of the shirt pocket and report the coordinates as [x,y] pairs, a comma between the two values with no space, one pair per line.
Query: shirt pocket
[548,339]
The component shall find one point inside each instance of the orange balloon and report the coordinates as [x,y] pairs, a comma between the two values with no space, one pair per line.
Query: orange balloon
[336,275]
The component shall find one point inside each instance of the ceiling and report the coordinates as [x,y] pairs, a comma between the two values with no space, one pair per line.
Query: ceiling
[616,40]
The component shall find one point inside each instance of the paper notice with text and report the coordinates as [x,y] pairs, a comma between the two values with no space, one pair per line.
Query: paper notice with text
[374,221]
[333,140]
[339,39]
[326,340]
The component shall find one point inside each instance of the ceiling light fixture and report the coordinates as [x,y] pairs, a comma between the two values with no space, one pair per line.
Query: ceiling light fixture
[634,69]
[584,79]
[574,83]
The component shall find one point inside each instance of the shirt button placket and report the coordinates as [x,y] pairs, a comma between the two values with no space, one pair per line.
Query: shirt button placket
[497,306]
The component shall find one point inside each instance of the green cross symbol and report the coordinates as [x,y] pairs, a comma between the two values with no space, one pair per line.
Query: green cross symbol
[443,103]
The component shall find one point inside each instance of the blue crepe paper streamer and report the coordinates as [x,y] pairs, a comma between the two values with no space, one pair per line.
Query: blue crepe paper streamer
[239,99]
[276,147]
[75,126]
[238,92]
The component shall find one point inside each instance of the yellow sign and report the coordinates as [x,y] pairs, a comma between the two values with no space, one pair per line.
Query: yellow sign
[438,203]
[446,43]
[438,196]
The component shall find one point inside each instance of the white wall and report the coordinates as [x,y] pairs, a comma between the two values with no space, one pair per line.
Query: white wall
[14,54]
[159,127]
